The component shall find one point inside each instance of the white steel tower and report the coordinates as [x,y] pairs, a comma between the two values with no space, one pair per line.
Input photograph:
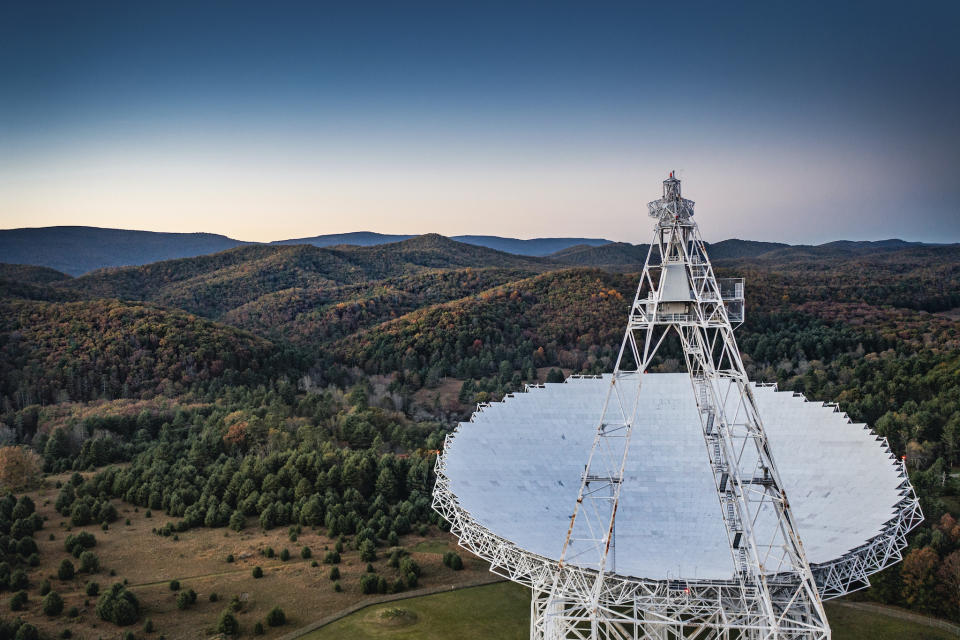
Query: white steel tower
[771,593]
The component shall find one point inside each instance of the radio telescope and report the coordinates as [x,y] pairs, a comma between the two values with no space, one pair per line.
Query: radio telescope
[675,506]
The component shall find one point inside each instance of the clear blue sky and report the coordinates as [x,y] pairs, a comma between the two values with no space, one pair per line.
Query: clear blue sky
[794,122]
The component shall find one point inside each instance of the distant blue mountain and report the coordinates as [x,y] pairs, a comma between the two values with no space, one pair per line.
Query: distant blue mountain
[534,247]
[358,238]
[77,250]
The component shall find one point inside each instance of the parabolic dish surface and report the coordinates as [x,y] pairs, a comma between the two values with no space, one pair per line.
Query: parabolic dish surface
[516,468]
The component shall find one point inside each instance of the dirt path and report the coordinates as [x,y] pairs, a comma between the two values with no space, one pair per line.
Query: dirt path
[894,612]
[406,595]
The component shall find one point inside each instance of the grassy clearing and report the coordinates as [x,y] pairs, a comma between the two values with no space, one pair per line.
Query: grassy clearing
[438,546]
[199,561]
[498,611]
[501,612]
[853,624]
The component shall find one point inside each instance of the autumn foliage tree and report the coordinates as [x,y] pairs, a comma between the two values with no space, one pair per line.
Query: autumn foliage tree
[19,467]
[919,578]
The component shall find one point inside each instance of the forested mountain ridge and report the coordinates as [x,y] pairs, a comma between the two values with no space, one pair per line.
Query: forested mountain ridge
[567,318]
[310,317]
[539,247]
[213,285]
[31,274]
[80,351]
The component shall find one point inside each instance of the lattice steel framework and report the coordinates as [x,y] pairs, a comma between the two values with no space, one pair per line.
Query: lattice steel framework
[773,592]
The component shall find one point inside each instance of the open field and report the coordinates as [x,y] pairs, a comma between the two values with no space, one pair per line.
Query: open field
[501,612]
[199,561]
[854,624]
[497,612]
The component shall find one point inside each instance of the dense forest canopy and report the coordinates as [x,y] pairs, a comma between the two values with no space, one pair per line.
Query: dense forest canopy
[306,386]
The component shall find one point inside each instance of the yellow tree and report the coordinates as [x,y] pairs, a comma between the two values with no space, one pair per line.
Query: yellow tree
[19,467]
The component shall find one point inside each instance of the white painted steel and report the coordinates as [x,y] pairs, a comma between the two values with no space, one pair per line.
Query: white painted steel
[516,468]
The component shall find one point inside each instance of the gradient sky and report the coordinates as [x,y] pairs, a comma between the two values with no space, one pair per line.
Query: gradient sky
[792,122]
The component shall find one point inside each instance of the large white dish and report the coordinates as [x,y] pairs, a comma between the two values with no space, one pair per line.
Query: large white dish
[513,473]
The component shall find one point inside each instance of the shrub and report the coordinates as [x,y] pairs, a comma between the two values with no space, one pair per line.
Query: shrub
[75,544]
[44,587]
[174,585]
[276,617]
[66,570]
[284,555]
[368,583]
[89,562]
[18,580]
[370,568]
[269,552]
[108,513]
[258,629]
[192,595]
[368,552]
[314,564]
[257,572]
[53,604]
[118,605]
[183,600]
[18,601]
[453,561]
[73,612]
[27,632]
[129,636]
[80,514]
[305,553]
[34,560]
[148,626]
[26,546]
[230,557]
[227,624]
[410,571]
[335,573]
[331,557]
[93,588]
[395,556]
[337,587]
[214,597]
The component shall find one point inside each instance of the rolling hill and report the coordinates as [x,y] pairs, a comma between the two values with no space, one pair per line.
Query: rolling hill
[77,250]
[214,284]
[79,351]
[538,247]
